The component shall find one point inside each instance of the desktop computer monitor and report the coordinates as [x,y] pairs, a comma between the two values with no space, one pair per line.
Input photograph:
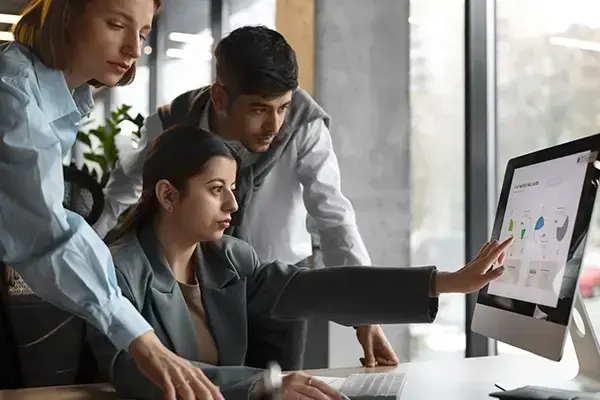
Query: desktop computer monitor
[546,204]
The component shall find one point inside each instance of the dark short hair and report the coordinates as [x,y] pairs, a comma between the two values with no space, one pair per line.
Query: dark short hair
[256,60]
[177,155]
[43,27]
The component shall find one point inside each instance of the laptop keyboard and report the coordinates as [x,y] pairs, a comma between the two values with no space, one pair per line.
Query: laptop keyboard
[376,385]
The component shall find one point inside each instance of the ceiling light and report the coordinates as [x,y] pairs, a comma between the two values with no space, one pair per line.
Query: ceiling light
[188,55]
[9,18]
[6,36]
[202,38]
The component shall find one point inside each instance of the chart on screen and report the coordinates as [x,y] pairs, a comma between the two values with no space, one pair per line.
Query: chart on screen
[539,214]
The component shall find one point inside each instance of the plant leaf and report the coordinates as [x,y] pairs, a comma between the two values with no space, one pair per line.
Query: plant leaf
[111,125]
[100,133]
[107,154]
[84,138]
[96,158]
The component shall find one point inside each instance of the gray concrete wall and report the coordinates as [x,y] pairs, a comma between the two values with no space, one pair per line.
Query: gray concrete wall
[362,80]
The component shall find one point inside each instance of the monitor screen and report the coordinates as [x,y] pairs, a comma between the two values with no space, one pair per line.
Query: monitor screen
[546,206]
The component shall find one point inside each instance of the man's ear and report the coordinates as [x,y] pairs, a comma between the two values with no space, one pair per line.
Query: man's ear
[219,98]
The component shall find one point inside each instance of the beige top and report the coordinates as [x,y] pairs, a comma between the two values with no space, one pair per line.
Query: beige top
[207,350]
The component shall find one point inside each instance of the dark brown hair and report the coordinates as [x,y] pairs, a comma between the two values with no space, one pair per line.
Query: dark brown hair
[177,155]
[44,28]
[256,60]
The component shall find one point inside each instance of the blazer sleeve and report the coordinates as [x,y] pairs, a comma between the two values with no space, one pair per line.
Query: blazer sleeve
[351,295]
[119,368]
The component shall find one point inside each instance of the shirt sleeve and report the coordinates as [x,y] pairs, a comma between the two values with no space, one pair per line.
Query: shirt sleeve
[333,214]
[54,250]
[124,186]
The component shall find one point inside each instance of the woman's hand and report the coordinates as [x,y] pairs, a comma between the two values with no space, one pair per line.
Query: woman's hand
[300,386]
[476,274]
[177,377]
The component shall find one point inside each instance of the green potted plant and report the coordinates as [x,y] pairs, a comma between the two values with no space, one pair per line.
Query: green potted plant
[106,153]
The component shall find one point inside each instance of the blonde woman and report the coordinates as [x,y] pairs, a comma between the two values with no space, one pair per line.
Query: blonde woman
[62,48]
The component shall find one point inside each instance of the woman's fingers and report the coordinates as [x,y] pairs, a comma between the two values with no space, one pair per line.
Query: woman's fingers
[483,249]
[496,251]
[300,385]
[201,386]
[326,389]
[182,385]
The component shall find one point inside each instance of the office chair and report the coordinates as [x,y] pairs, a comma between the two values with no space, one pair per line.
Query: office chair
[46,345]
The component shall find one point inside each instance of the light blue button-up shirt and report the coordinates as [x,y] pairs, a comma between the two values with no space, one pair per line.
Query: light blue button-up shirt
[54,250]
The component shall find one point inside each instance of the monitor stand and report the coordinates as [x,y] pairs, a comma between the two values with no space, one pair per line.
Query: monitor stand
[587,352]
[587,349]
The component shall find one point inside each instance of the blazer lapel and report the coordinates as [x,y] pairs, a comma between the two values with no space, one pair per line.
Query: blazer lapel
[224,298]
[167,299]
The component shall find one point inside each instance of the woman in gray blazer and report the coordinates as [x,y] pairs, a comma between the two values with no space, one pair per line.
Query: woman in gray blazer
[198,288]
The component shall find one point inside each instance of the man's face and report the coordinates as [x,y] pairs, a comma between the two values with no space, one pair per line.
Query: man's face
[257,120]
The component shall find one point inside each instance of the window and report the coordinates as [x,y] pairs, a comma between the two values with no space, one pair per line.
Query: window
[548,52]
[187,42]
[137,96]
[250,12]
[437,165]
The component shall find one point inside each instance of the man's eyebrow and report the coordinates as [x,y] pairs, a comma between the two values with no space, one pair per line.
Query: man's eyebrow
[260,104]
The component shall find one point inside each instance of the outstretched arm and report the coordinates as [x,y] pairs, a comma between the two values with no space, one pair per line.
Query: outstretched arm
[363,295]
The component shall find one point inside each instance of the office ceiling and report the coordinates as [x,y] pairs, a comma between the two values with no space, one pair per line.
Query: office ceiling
[11,6]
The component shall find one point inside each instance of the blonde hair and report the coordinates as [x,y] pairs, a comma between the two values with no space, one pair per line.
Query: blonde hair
[43,28]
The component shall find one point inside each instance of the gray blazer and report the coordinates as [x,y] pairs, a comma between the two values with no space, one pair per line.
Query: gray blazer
[235,286]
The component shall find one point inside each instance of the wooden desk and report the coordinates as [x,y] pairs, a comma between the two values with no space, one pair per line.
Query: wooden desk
[451,379]
[88,392]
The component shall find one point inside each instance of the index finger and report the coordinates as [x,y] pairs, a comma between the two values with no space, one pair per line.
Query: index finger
[496,251]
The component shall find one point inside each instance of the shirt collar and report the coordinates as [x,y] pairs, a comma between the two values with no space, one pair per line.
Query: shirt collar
[57,100]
